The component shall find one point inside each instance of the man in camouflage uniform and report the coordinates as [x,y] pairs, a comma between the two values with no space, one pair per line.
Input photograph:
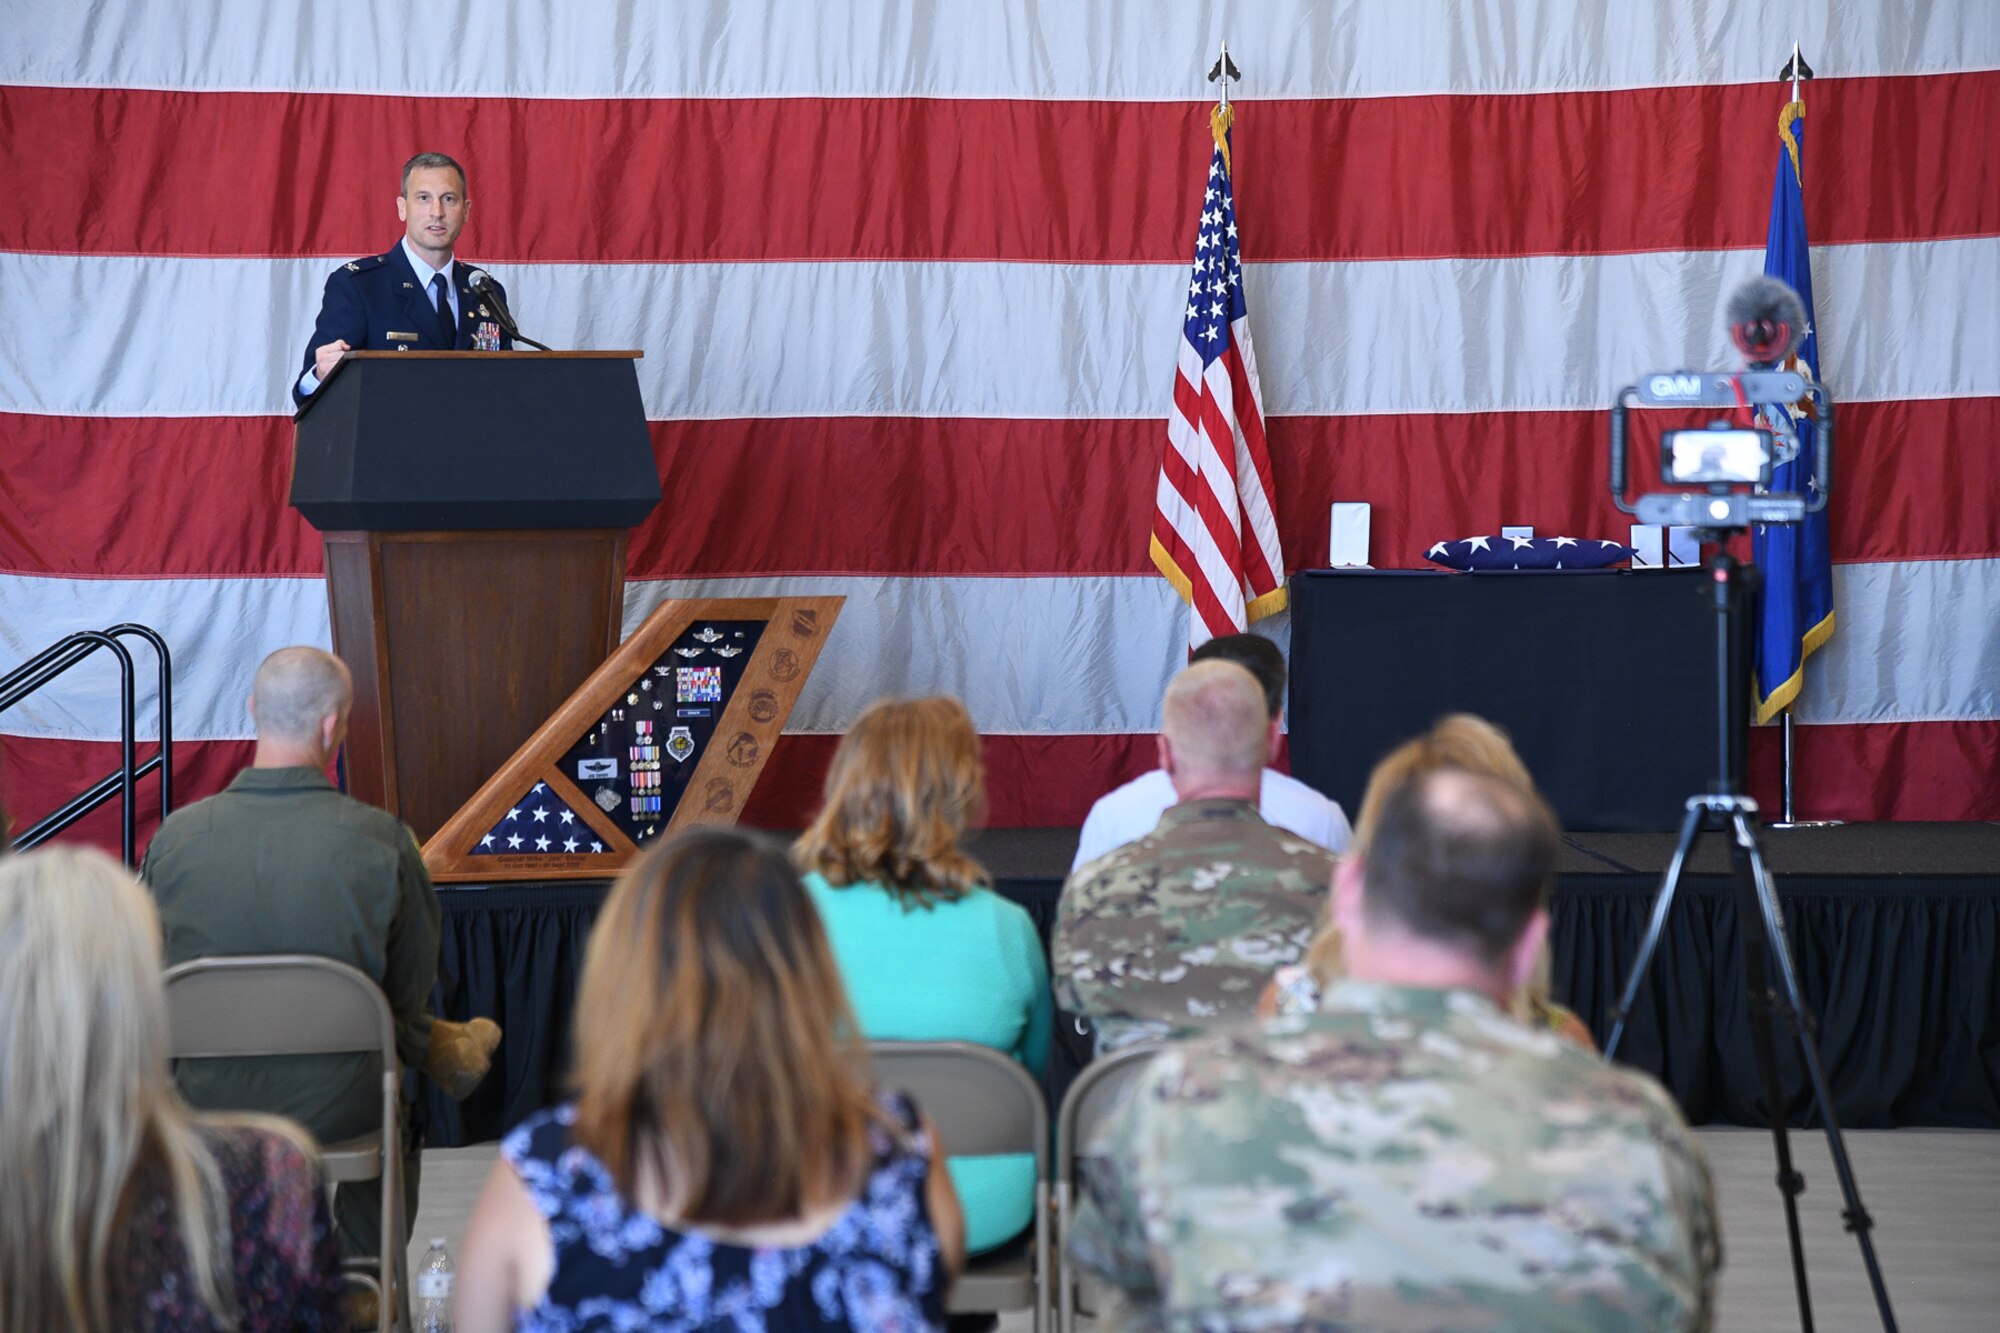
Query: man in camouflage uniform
[1408,1157]
[1180,930]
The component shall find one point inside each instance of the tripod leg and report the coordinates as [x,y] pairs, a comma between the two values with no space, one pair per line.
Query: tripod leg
[1763,1014]
[1790,1005]
[1663,901]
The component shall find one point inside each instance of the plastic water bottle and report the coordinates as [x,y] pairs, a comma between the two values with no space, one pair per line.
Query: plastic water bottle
[433,1290]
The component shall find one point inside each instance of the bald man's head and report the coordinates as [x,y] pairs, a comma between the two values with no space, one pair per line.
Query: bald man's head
[1461,859]
[1216,722]
[296,690]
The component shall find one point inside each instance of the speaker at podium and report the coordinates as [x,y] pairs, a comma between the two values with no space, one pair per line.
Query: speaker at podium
[473,508]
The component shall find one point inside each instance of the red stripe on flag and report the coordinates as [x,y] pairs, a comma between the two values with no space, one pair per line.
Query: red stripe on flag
[204,497]
[37,776]
[1068,181]
[1880,771]
[150,497]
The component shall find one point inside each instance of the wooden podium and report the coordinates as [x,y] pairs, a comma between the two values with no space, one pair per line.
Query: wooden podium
[473,507]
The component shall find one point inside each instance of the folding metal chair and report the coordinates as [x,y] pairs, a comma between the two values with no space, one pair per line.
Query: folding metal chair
[296,1004]
[1096,1092]
[983,1104]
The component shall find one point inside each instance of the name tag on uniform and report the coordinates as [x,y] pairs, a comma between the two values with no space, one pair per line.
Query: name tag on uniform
[396,337]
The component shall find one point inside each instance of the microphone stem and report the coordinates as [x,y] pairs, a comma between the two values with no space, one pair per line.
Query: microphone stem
[506,318]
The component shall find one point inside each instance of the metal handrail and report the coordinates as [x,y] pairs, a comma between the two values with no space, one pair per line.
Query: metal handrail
[57,659]
[164,660]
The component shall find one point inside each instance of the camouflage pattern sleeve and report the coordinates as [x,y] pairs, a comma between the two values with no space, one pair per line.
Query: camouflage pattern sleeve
[1068,995]
[1688,1212]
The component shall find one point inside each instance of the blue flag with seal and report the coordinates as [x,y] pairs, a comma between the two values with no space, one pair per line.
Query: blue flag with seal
[1796,612]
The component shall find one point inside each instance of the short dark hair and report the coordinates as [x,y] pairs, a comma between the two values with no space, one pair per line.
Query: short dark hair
[1461,859]
[425,161]
[1255,654]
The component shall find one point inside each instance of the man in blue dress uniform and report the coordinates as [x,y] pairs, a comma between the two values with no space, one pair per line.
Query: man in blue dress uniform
[417,297]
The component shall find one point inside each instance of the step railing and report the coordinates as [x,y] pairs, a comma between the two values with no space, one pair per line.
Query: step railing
[122,782]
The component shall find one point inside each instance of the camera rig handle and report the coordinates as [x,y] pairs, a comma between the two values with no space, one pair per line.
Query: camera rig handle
[1691,389]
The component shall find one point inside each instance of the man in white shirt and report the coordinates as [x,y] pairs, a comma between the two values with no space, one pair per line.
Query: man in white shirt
[1132,811]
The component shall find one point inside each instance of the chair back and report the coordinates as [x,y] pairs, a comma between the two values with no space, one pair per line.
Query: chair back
[275,1004]
[258,1005]
[1098,1091]
[983,1104]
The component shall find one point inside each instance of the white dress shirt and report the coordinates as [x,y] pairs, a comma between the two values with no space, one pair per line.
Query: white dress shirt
[1132,811]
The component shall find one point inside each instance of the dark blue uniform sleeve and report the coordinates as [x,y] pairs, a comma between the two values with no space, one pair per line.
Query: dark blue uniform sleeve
[341,315]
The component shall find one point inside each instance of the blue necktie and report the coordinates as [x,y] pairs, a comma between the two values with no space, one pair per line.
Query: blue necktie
[447,326]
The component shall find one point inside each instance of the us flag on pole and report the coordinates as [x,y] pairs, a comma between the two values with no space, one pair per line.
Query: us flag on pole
[1214,536]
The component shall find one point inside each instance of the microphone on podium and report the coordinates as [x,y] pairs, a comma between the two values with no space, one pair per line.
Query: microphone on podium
[488,290]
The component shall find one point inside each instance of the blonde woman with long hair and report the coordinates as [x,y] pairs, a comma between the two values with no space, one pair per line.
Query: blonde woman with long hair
[1469,744]
[726,1162]
[121,1208]
[928,951]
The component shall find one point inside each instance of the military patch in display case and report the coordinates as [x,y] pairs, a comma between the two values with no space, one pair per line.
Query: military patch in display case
[670,732]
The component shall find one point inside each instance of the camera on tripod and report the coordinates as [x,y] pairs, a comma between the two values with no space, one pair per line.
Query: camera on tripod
[1767,322]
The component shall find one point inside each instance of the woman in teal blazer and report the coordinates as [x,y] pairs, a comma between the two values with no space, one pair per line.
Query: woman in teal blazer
[928,951]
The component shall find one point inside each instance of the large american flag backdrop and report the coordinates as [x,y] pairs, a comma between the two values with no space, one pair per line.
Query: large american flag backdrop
[909,280]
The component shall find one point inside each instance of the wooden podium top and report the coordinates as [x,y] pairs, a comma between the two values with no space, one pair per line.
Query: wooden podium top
[466,354]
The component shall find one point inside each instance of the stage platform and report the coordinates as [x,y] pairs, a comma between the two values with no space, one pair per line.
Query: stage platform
[1895,929]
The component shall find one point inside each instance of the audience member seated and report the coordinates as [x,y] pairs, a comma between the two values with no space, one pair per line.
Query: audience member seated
[1409,1156]
[1134,810]
[122,1209]
[1181,929]
[280,862]
[927,951]
[1470,744]
[725,1162]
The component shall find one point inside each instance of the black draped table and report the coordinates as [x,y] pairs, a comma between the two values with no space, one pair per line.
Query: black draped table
[1604,678]
[1895,929]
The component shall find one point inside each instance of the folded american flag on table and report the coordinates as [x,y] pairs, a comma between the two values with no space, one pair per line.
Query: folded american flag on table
[1527,553]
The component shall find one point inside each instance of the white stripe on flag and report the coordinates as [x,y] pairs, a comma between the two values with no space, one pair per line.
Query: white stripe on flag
[1139,50]
[222,337]
[1099,656]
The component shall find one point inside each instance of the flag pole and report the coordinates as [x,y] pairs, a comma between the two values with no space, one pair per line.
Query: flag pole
[1789,820]
[1796,71]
